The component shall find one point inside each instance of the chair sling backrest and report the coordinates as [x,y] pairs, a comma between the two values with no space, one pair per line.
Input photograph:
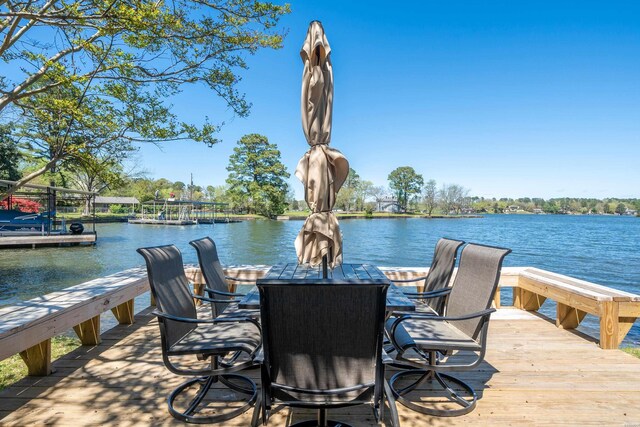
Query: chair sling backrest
[211,270]
[320,336]
[475,285]
[444,260]
[170,288]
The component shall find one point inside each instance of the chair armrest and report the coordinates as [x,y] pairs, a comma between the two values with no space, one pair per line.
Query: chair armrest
[427,295]
[446,318]
[228,294]
[223,301]
[168,316]
[415,279]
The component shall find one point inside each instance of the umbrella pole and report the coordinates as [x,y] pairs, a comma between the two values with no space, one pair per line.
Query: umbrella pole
[324,267]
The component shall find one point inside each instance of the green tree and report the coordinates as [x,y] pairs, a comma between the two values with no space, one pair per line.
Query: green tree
[430,196]
[93,173]
[257,176]
[621,209]
[63,58]
[9,155]
[551,207]
[606,208]
[405,182]
[63,125]
[347,196]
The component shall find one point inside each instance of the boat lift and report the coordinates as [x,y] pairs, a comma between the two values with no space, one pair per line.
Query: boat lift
[181,212]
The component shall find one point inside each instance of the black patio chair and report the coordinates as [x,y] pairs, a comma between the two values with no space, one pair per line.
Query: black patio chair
[224,341]
[322,347]
[223,302]
[437,280]
[427,342]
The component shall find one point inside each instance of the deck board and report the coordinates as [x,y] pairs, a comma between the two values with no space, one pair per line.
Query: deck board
[534,374]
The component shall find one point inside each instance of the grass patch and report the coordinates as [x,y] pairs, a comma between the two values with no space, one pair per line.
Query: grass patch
[634,351]
[13,369]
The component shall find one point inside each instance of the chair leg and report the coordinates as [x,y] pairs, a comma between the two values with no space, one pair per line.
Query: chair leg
[257,409]
[393,409]
[320,421]
[467,405]
[190,414]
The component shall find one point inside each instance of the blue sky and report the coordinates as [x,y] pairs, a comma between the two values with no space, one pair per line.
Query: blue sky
[509,99]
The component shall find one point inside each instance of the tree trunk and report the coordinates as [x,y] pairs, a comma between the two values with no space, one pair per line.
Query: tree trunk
[87,206]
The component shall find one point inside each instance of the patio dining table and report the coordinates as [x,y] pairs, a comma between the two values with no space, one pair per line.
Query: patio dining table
[396,300]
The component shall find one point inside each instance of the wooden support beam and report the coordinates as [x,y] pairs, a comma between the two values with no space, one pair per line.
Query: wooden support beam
[568,317]
[527,300]
[624,325]
[194,275]
[38,358]
[613,327]
[124,312]
[198,289]
[496,299]
[89,331]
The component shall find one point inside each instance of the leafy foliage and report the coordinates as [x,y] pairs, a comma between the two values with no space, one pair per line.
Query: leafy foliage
[406,182]
[257,177]
[9,155]
[430,196]
[23,205]
[88,74]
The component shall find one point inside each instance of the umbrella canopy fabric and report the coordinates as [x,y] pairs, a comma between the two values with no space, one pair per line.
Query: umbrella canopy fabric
[322,169]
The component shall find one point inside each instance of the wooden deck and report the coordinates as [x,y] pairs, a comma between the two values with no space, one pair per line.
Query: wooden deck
[25,240]
[534,374]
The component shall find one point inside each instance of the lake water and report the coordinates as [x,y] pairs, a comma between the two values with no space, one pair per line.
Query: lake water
[601,249]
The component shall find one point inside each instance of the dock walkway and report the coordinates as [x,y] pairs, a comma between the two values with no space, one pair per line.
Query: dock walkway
[533,374]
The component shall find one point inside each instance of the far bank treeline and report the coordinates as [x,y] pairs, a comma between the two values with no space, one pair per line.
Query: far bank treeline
[257,184]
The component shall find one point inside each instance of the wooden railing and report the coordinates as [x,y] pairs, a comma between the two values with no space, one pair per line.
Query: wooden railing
[26,328]
[617,310]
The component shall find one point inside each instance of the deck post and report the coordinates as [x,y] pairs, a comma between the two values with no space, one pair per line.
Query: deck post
[613,327]
[124,312]
[496,298]
[194,275]
[89,331]
[609,328]
[38,358]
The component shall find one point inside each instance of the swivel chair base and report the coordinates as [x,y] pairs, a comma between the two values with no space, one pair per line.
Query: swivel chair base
[239,383]
[467,404]
[321,421]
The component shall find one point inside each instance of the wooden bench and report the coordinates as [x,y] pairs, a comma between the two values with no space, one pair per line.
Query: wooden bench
[27,327]
[575,298]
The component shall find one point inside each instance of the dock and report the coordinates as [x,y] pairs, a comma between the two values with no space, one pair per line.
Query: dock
[149,221]
[33,241]
[533,374]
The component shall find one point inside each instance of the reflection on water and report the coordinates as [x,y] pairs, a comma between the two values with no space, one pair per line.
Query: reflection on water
[602,249]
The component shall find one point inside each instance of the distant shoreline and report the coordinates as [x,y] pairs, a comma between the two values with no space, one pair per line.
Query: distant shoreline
[390,216]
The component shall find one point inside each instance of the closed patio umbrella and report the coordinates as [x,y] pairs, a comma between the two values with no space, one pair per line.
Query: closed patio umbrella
[322,169]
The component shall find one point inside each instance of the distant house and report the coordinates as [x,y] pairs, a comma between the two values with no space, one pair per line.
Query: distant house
[103,203]
[512,209]
[538,211]
[388,205]
[631,212]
